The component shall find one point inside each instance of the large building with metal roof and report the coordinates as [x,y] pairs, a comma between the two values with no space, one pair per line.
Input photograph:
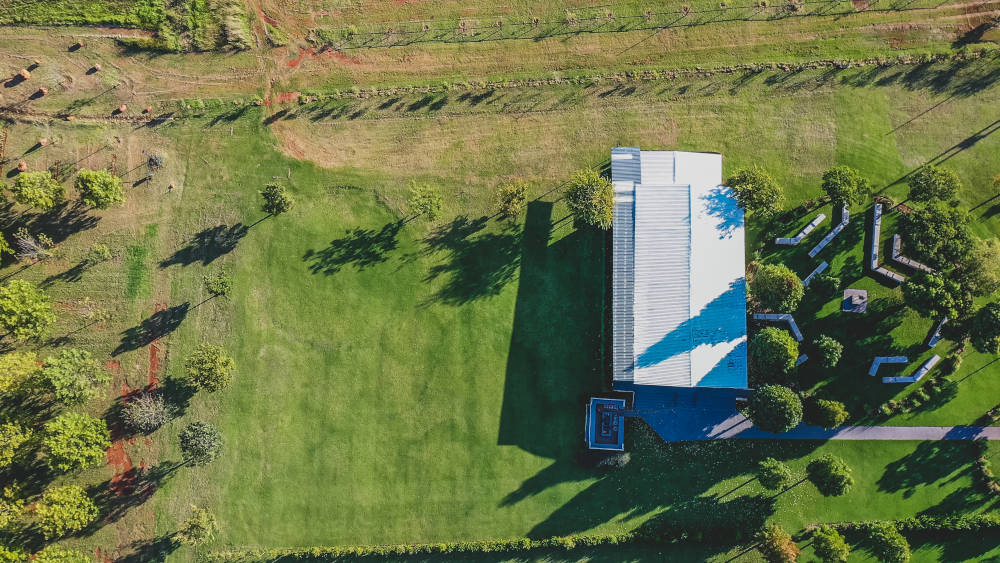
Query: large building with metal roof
[679,285]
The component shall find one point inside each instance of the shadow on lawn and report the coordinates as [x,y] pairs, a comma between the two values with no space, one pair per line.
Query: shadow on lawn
[938,462]
[359,247]
[208,245]
[160,324]
[477,264]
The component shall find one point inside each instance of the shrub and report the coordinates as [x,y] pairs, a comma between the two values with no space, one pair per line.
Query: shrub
[826,285]
[773,352]
[63,510]
[218,283]
[830,474]
[12,555]
[73,441]
[756,191]
[96,254]
[13,437]
[16,370]
[38,189]
[146,413]
[887,544]
[100,188]
[773,474]
[25,310]
[56,554]
[774,408]
[932,183]
[829,545]
[776,545]
[276,199]
[209,367]
[829,350]
[826,413]
[775,287]
[74,376]
[510,198]
[200,443]
[198,528]
[425,200]
[591,198]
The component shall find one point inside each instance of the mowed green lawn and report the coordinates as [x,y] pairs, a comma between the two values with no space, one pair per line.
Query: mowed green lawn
[405,380]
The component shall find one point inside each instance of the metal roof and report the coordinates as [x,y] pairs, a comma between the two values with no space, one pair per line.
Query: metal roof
[679,291]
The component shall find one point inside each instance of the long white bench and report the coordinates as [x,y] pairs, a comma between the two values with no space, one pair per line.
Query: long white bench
[897,256]
[928,366]
[819,270]
[803,233]
[876,235]
[781,318]
[936,337]
[879,360]
[844,220]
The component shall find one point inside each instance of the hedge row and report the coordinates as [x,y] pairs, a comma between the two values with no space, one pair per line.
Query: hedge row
[480,546]
[988,522]
[987,480]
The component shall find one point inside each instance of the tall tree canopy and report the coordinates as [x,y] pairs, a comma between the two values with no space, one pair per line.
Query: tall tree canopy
[935,295]
[25,310]
[775,287]
[773,353]
[74,376]
[774,408]
[756,191]
[830,474]
[74,441]
[932,183]
[845,185]
[209,367]
[829,545]
[100,188]
[63,510]
[986,329]
[591,198]
[938,235]
[200,442]
[276,199]
[38,189]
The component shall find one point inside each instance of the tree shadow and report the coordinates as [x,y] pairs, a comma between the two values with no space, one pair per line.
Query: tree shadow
[59,223]
[477,264]
[153,550]
[208,245]
[117,496]
[931,462]
[178,393]
[160,324]
[362,248]
[73,274]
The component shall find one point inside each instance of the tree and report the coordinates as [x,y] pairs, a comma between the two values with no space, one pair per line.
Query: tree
[218,283]
[96,254]
[979,274]
[935,295]
[775,287]
[63,510]
[56,554]
[425,200]
[16,370]
[13,437]
[38,189]
[932,183]
[826,413]
[276,199]
[774,408]
[31,247]
[146,413]
[773,353]
[210,368]
[829,350]
[985,331]
[826,285]
[199,528]
[830,474]
[100,188]
[4,247]
[11,513]
[773,474]
[74,376]
[756,191]
[591,198]
[510,198]
[776,545]
[829,545]
[200,443]
[845,186]
[74,440]
[938,235]
[12,555]
[887,544]
[25,310]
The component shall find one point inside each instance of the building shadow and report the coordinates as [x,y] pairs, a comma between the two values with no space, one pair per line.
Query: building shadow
[158,325]
[208,245]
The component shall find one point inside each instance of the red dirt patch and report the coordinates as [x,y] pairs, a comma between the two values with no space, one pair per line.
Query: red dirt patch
[285,97]
[102,557]
[114,366]
[303,53]
[123,480]
[271,21]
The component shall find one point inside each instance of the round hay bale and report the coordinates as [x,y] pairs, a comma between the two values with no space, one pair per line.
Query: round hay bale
[122,108]
[22,166]
[43,91]
[97,67]
[24,74]
[37,62]
[79,44]
[43,142]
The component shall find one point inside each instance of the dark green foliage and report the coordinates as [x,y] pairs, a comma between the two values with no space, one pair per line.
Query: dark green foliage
[756,191]
[276,199]
[591,198]
[936,296]
[887,544]
[845,185]
[986,329]
[829,545]
[773,474]
[979,274]
[209,367]
[937,235]
[829,350]
[776,545]
[74,441]
[932,183]
[830,474]
[200,443]
[100,188]
[773,352]
[825,413]
[25,310]
[774,408]
[38,189]
[775,287]
[826,285]
[74,376]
